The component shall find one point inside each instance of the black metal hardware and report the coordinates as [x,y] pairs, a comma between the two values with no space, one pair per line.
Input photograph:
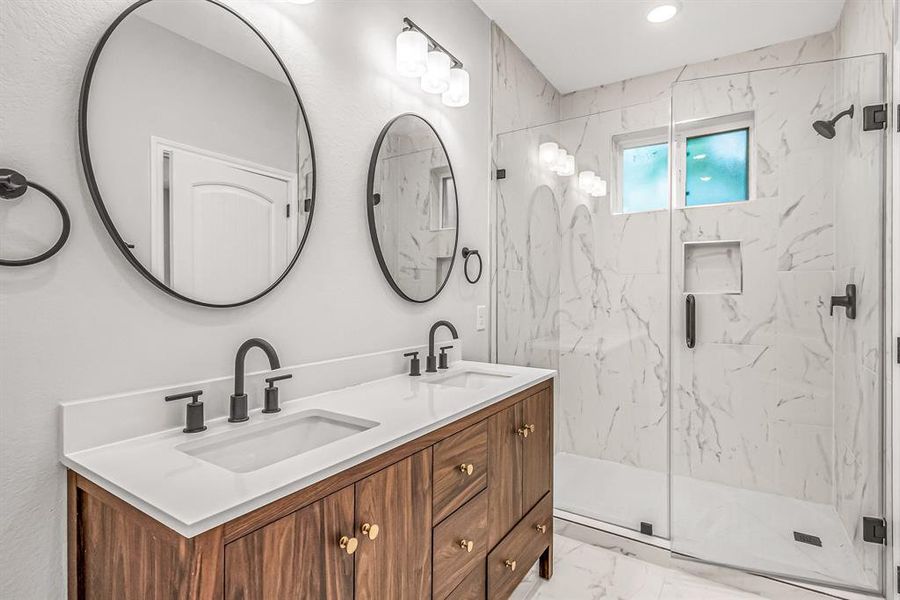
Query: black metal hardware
[646,528]
[307,205]
[193,419]
[874,530]
[376,199]
[238,408]
[875,117]
[410,25]
[898,129]
[442,358]
[898,350]
[848,301]
[271,394]
[370,210]
[94,188]
[501,174]
[13,185]
[466,253]
[431,360]
[414,364]
[690,320]
[807,538]
[287,211]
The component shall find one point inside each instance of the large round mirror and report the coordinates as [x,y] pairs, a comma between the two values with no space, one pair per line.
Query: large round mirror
[412,208]
[197,151]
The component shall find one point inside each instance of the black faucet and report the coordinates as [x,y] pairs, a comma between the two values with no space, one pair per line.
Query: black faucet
[848,301]
[431,360]
[238,413]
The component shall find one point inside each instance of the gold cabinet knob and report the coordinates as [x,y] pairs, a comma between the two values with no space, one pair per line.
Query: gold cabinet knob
[468,469]
[348,543]
[525,429]
[370,530]
[510,564]
[541,528]
[467,545]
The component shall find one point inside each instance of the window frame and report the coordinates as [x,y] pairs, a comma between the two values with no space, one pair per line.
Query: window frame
[710,126]
[627,141]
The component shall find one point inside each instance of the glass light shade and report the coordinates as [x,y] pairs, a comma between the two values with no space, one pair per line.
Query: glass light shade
[436,79]
[598,190]
[547,154]
[458,93]
[569,167]
[586,181]
[412,54]
[559,165]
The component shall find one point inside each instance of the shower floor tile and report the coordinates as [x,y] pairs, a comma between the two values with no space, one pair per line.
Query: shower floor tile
[714,522]
[583,571]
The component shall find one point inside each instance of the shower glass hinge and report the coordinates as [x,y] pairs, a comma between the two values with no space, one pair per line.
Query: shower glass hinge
[501,173]
[874,530]
[875,117]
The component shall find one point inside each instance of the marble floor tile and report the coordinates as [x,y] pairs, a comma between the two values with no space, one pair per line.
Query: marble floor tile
[582,571]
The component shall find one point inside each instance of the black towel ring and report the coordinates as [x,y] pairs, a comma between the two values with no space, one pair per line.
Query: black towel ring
[12,185]
[466,253]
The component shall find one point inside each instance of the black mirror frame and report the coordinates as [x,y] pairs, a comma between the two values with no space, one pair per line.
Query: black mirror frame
[371,202]
[95,190]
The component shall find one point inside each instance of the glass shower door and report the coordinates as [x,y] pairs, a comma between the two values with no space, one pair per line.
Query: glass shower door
[777,404]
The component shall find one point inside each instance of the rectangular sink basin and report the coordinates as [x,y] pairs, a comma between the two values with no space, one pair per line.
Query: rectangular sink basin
[472,380]
[260,445]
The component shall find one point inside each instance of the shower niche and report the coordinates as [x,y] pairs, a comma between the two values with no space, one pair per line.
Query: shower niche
[771,421]
[713,267]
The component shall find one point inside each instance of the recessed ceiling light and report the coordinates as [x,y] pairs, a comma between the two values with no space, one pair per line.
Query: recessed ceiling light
[662,13]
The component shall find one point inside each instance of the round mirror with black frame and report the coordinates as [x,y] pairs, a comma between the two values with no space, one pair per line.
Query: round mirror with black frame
[413,208]
[197,151]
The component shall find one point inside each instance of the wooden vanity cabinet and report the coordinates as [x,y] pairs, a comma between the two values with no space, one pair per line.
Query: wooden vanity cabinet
[440,517]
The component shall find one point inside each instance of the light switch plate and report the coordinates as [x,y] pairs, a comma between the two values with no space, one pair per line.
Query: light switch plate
[480,313]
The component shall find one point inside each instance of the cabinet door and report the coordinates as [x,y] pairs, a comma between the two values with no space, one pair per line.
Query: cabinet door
[298,556]
[396,564]
[505,472]
[536,448]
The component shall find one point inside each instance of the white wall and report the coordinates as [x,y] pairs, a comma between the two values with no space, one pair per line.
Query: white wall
[85,323]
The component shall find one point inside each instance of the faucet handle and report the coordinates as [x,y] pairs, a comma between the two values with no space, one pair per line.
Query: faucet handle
[442,359]
[415,368]
[271,380]
[193,421]
[271,394]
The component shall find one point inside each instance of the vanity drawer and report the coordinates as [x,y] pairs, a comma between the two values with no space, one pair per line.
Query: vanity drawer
[472,587]
[511,559]
[454,458]
[460,544]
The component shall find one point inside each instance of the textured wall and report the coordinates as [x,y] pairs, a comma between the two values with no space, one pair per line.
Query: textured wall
[86,324]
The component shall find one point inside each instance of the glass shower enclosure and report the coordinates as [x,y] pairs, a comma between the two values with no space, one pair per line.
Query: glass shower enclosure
[717,318]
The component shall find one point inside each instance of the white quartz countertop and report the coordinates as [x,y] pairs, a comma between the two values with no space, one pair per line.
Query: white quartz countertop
[191,495]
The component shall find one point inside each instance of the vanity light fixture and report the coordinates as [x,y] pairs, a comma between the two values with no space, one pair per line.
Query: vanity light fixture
[568,167]
[662,13]
[599,188]
[419,55]
[559,165]
[586,181]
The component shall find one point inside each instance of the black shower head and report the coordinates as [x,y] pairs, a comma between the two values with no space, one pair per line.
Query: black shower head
[826,128]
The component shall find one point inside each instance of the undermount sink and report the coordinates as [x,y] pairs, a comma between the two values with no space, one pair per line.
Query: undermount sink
[259,445]
[472,380]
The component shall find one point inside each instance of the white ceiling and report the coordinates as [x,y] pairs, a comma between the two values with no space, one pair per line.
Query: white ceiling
[579,44]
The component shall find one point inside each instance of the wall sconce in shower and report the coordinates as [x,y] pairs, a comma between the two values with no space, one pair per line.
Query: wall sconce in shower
[419,55]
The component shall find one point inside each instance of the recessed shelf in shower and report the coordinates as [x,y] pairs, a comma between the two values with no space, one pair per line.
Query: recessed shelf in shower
[713,267]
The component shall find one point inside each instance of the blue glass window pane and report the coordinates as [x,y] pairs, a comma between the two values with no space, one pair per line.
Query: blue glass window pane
[645,178]
[717,168]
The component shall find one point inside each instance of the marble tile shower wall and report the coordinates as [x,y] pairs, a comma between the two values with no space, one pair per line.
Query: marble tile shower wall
[752,402]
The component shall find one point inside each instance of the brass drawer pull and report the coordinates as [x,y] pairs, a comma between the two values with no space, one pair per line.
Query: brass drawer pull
[370,530]
[525,429]
[510,564]
[467,545]
[468,469]
[541,528]
[348,543]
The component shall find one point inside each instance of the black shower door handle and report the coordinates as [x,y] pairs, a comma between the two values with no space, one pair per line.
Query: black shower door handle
[690,320]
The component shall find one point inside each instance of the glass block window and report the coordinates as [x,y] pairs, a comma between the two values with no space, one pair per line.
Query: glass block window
[645,178]
[717,168]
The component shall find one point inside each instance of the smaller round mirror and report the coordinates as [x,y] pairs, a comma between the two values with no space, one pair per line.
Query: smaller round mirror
[412,208]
